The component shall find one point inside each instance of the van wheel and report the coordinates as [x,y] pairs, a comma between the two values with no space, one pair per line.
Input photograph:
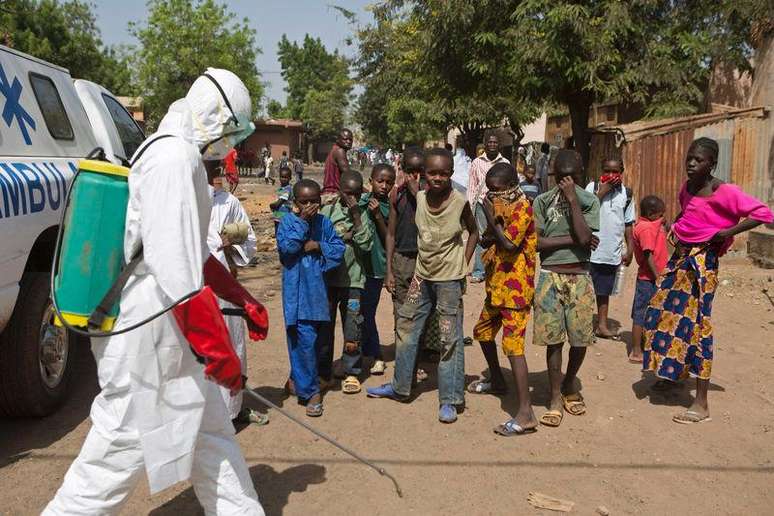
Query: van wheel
[36,357]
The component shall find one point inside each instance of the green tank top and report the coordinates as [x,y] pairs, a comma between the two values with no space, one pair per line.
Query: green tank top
[441,252]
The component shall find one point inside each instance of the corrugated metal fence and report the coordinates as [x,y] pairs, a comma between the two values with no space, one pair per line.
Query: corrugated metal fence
[654,153]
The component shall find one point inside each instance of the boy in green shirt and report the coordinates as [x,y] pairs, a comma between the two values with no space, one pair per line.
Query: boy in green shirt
[377,205]
[564,304]
[346,283]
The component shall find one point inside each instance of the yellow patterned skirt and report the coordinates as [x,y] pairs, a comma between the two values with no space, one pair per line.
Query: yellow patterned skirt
[678,327]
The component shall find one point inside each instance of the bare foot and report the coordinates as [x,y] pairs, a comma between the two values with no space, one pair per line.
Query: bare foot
[635,359]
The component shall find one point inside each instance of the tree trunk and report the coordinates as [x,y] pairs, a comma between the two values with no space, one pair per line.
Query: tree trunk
[472,135]
[580,106]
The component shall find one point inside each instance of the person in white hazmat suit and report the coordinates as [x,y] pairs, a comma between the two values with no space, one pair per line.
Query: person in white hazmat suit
[157,412]
[231,234]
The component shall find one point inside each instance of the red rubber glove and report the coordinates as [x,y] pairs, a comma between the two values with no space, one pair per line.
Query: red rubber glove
[226,287]
[201,322]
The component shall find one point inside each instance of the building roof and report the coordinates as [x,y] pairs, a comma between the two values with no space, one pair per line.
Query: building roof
[282,122]
[644,128]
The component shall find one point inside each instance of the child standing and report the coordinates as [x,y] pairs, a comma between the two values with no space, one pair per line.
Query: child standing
[509,262]
[565,217]
[401,243]
[678,331]
[442,215]
[282,205]
[530,185]
[346,282]
[308,247]
[650,251]
[377,204]
[616,217]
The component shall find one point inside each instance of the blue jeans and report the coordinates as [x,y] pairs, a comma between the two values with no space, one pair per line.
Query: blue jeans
[445,297]
[303,358]
[368,305]
[478,263]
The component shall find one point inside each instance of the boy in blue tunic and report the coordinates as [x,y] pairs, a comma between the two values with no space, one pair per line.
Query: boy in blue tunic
[308,247]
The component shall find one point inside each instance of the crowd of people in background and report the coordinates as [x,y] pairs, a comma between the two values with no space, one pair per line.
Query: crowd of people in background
[545,246]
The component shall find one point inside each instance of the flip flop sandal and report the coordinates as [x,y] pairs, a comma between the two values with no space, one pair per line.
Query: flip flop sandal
[350,385]
[314,409]
[257,418]
[574,404]
[690,417]
[552,418]
[664,386]
[511,428]
[612,336]
[483,387]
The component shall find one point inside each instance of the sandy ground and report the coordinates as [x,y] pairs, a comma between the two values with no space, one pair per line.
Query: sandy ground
[625,454]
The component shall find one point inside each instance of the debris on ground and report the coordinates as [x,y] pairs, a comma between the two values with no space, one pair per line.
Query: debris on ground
[542,501]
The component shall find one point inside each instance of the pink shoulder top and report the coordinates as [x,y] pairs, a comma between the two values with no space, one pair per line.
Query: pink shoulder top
[703,217]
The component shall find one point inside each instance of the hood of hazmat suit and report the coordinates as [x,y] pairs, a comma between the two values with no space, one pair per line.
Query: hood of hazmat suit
[156,410]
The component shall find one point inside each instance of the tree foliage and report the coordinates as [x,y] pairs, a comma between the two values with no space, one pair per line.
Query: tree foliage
[477,62]
[317,84]
[65,33]
[275,109]
[180,39]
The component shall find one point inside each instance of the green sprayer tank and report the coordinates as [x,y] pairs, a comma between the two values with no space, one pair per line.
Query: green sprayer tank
[92,252]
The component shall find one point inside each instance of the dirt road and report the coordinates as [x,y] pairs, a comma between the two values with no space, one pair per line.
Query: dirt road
[625,454]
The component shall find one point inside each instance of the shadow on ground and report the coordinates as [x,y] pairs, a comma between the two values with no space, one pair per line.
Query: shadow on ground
[274,489]
[19,436]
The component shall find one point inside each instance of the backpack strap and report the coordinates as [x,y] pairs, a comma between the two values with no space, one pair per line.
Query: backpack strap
[110,298]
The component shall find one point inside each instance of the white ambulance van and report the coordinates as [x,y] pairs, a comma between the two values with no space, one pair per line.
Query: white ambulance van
[47,123]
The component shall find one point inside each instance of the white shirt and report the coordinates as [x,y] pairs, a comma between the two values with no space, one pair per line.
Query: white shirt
[477,177]
[615,213]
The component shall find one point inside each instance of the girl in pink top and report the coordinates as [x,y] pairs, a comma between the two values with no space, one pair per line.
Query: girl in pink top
[678,331]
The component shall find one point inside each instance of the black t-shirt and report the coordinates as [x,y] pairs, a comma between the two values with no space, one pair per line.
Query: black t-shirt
[406,228]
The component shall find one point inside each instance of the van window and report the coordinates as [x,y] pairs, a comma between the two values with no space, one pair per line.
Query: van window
[131,135]
[51,106]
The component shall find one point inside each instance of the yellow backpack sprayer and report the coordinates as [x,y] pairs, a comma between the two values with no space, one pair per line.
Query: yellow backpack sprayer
[88,273]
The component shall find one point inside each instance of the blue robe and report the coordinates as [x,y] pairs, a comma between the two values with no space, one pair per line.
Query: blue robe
[304,294]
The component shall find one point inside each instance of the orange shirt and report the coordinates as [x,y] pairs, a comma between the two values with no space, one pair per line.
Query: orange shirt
[510,275]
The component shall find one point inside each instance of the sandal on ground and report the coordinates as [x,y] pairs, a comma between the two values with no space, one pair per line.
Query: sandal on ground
[351,385]
[664,386]
[611,336]
[248,416]
[314,409]
[635,360]
[552,418]
[378,368]
[421,375]
[511,428]
[483,387]
[690,417]
[574,404]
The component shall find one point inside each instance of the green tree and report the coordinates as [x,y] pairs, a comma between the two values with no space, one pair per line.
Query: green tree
[574,53]
[180,39]
[275,109]
[65,33]
[323,118]
[310,67]
[416,62]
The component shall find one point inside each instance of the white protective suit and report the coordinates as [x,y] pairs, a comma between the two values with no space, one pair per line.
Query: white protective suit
[156,413]
[227,209]
[461,175]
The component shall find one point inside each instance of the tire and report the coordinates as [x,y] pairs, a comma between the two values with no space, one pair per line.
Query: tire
[35,371]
